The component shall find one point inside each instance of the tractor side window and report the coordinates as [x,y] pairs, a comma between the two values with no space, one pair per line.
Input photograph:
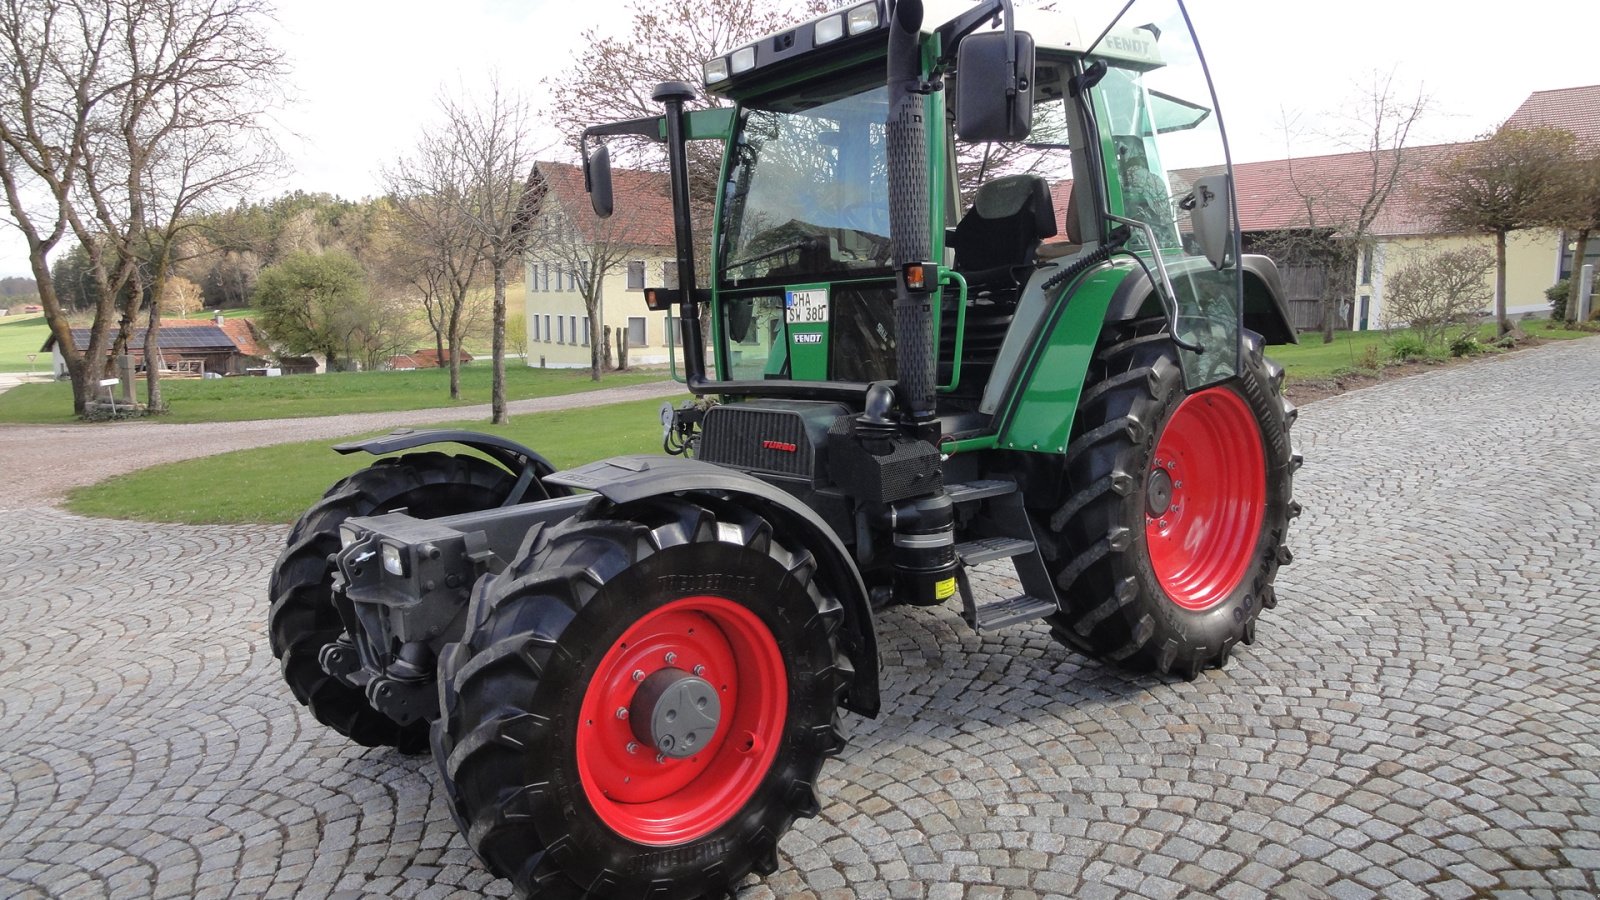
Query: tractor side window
[1166,159]
[807,195]
[753,332]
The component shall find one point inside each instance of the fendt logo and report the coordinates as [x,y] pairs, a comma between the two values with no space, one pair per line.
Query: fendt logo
[808,337]
[785,446]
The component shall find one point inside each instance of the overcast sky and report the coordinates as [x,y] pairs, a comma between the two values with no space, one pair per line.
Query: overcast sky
[366,73]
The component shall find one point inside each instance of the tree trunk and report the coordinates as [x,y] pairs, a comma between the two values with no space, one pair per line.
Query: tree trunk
[153,403]
[1502,321]
[622,349]
[497,392]
[597,344]
[438,347]
[1579,251]
[605,348]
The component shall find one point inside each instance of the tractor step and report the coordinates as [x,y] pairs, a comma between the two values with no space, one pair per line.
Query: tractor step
[968,491]
[1021,608]
[989,549]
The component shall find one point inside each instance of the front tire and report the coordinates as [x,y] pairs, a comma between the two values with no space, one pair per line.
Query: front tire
[1172,531]
[540,743]
[302,618]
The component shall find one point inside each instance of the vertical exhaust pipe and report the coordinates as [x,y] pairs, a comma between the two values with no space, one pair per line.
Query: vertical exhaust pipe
[909,222]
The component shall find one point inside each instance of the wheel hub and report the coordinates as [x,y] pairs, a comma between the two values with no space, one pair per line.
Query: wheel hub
[1158,495]
[675,712]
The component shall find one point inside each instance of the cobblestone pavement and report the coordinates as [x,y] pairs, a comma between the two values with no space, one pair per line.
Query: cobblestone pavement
[1418,717]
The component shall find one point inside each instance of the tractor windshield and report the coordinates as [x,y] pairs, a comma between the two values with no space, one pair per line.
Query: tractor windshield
[1166,158]
[807,191]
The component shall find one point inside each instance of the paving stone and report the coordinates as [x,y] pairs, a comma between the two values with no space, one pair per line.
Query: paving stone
[1416,718]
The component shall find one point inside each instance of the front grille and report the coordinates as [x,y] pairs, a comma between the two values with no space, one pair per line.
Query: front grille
[756,440]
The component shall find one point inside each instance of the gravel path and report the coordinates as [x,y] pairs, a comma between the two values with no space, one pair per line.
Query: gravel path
[54,458]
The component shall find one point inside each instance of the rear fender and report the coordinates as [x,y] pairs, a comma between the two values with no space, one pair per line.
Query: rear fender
[1265,311]
[530,467]
[629,479]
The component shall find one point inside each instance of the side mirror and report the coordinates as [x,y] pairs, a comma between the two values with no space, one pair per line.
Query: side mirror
[597,173]
[983,111]
[740,315]
[1210,206]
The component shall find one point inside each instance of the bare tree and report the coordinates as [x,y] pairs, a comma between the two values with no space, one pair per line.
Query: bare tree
[588,247]
[1583,218]
[1340,207]
[1512,179]
[489,138]
[113,121]
[430,190]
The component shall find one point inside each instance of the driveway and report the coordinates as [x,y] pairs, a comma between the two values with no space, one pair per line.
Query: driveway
[1419,717]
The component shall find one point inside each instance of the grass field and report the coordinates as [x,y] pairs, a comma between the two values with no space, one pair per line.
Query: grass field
[1311,358]
[20,336]
[277,484]
[238,399]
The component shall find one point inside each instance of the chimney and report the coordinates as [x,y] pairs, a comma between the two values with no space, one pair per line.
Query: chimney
[217,319]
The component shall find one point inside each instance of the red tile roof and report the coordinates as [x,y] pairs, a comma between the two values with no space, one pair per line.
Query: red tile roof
[1575,109]
[642,204]
[429,359]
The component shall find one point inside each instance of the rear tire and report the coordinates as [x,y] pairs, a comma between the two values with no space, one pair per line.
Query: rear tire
[1156,573]
[534,756]
[303,619]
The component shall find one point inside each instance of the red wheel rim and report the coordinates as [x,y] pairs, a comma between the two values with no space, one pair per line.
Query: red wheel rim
[1210,458]
[672,801]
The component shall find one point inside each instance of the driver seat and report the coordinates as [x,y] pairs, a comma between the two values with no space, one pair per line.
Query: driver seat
[995,243]
[1010,216]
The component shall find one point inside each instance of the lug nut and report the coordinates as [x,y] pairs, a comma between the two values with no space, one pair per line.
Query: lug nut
[633,746]
[622,712]
[661,758]
[699,670]
[671,657]
[638,674]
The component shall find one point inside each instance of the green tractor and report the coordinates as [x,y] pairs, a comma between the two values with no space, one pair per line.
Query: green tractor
[631,672]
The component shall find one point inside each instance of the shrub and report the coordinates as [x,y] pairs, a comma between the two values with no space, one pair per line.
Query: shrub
[1465,345]
[1371,360]
[1435,291]
[1557,295]
[1406,345]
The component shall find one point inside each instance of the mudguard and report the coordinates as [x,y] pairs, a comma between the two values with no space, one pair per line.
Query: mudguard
[530,467]
[1264,310]
[629,479]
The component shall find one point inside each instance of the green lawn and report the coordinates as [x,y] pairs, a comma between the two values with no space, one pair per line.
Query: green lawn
[20,336]
[277,484]
[1311,358]
[237,399]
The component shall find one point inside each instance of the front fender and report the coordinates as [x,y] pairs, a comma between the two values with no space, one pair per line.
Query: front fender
[530,467]
[629,479]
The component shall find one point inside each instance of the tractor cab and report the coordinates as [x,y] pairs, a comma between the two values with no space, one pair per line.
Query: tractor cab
[1123,163]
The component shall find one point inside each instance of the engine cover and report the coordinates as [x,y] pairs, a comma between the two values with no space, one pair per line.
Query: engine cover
[770,437]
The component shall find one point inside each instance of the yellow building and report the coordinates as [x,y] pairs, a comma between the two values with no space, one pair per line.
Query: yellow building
[575,257]
[1318,193]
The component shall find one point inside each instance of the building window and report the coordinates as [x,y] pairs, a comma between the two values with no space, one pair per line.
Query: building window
[535,327]
[669,274]
[561,330]
[1366,265]
[1569,246]
[1364,313]
[636,331]
[547,329]
[572,328]
[636,275]
[586,331]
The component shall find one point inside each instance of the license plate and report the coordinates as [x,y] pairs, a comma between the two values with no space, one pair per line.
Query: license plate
[806,307]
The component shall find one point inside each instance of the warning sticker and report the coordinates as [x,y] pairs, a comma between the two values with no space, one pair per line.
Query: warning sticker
[944,590]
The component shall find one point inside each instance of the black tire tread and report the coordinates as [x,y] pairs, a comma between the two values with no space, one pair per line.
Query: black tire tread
[516,625]
[302,619]
[1084,538]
